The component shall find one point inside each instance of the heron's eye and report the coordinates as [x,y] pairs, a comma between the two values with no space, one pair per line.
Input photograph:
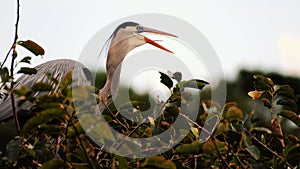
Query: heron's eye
[139,28]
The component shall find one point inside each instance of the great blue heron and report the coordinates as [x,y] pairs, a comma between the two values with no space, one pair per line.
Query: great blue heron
[125,38]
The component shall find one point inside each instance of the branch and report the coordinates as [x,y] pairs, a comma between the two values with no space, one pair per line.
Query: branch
[11,48]
[14,55]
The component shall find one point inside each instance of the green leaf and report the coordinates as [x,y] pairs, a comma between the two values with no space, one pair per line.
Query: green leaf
[291,154]
[41,87]
[166,80]
[291,104]
[22,91]
[75,129]
[50,128]
[209,147]
[54,163]
[193,148]
[32,47]
[12,149]
[267,102]
[27,70]
[194,83]
[233,136]
[147,133]
[263,129]
[26,59]
[234,113]
[66,81]
[195,132]
[123,163]
[284,90]
[291,116]
[49,101]
[43,117]
[97,129]
[158,161]
[262,83]
[30,152]
[4,74]
[254,151]
[77,155]
[222,127]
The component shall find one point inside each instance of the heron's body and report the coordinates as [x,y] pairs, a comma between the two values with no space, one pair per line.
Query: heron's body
[57,69]
[125,38]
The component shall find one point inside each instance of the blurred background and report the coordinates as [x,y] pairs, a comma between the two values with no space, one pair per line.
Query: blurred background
[248,37]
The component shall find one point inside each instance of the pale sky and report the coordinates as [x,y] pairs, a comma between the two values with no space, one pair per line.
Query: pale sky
[245,34]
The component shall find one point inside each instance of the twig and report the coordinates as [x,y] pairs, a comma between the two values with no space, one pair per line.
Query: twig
[106,106]
[67,139]
[239,160]
[138,126]
[231,152]
[186,158]
[196,124]
[83,149]
[267,148]
[218,152]
[69,123]
[14,55]
[195,161]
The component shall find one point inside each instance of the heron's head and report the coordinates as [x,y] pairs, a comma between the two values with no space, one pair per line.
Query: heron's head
[126,37]
[129,36]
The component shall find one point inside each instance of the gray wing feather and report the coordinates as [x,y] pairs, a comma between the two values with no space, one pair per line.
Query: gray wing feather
[58,68]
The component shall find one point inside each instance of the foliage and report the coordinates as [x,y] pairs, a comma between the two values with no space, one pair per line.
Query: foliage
[53,137]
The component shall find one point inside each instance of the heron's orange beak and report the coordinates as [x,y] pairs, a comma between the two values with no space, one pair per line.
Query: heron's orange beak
[152,42]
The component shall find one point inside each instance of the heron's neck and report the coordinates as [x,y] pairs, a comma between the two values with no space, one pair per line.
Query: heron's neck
[113,79]
[110,88]
[115,57]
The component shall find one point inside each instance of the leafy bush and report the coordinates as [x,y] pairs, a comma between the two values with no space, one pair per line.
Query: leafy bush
[53,137]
